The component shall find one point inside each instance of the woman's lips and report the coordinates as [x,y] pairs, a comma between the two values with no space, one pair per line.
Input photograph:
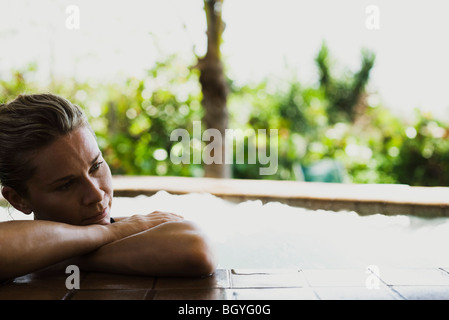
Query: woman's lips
[96,218]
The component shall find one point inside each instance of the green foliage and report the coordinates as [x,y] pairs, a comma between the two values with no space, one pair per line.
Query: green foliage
[345,92]
[424,154]
[332,120]
[141,116]
[18,82]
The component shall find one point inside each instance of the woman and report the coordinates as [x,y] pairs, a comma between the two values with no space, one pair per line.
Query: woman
[51,166]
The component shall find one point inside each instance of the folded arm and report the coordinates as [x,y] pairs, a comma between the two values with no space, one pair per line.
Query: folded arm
[175,248]
[27,246]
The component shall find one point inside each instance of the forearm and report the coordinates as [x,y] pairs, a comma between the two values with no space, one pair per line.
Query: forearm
[170,249]
[26,246]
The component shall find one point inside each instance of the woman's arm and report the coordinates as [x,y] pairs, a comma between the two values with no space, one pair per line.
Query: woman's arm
[26,246]
[169,249]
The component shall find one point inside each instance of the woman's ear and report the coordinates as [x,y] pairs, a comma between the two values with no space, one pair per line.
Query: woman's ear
[16,200]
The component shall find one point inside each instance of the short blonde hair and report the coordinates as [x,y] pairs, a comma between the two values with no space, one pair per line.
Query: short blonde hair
[28,123]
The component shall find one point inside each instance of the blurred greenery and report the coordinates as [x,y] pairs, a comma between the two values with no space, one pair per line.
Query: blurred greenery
[334,130]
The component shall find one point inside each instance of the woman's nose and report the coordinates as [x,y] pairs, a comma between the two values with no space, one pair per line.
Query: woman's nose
[93,192]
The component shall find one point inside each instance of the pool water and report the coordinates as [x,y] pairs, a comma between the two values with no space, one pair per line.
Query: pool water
[274,235]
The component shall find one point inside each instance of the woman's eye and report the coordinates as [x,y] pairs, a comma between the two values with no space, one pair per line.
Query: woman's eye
[65,186]
[96,166]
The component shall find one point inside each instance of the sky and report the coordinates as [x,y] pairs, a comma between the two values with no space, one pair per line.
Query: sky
[110,40]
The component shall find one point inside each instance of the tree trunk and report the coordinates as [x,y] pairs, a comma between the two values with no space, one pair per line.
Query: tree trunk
[214,87]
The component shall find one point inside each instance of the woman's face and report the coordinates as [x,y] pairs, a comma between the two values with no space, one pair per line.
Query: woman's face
[72,182]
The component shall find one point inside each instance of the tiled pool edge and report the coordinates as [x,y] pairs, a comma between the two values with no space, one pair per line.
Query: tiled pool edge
[240,284]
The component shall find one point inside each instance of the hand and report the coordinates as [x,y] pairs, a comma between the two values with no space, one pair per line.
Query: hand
[138,223]
[158,217]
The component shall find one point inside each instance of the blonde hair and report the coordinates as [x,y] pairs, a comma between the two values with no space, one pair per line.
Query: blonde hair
[27,124]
